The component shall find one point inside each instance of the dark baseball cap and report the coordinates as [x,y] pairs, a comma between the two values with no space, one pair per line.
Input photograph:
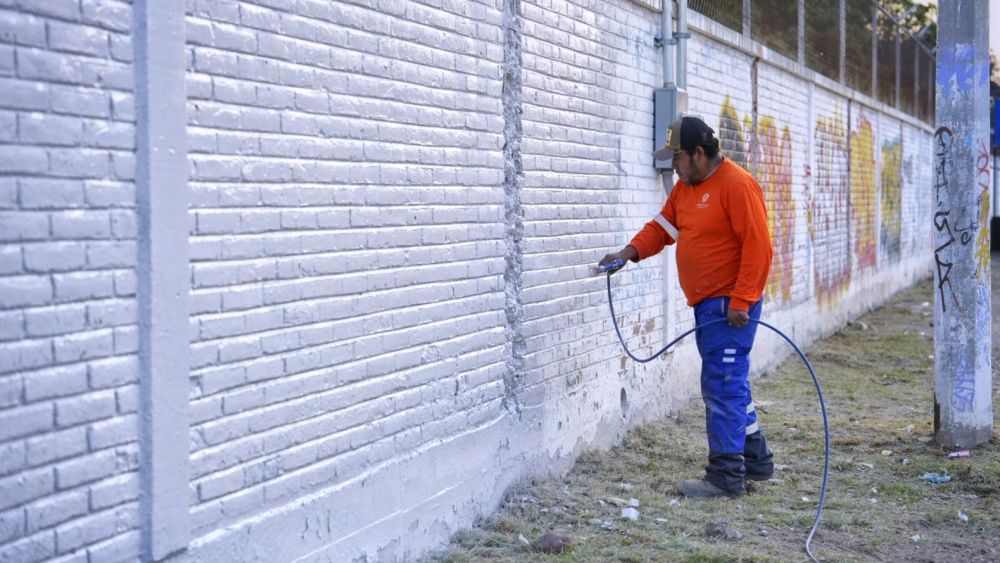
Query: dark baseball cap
[685,133]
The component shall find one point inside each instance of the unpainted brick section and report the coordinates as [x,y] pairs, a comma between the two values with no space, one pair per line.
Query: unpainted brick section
[66,280]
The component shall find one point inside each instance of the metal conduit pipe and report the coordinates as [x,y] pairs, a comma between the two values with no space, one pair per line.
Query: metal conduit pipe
[666,41]
[682,37]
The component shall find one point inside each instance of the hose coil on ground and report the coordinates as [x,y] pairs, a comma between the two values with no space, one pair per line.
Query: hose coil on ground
[819,393]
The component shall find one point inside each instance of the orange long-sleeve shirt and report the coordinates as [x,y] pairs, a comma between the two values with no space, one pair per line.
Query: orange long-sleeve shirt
[720,227]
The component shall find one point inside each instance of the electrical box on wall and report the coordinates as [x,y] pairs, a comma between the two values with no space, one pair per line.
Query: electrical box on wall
[668,104]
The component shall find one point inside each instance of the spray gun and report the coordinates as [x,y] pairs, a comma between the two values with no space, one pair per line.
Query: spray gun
[610,266]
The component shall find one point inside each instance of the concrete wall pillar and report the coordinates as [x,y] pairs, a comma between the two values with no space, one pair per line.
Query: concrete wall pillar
[162,273]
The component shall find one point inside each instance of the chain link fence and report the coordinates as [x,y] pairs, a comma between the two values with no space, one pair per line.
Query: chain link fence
[858,15]
[775,23]
[855,42]
[822,39]
[727,12]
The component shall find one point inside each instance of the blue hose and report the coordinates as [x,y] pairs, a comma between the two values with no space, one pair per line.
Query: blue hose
[819,392]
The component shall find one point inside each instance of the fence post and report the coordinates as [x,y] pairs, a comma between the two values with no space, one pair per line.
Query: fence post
[898,32]
[746,18]
[802,33]
[843,41]
[874,51]
[931,90]
[916,78]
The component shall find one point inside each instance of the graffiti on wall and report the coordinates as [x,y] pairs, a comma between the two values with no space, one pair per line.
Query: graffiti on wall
[731,136]
[852,212]
[920,205]
[775,177]
[890,234]
[749,150]
[828,210]
[863,202]
[771,161]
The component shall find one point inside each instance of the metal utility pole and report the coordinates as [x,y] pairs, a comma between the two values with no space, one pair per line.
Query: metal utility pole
[963,410]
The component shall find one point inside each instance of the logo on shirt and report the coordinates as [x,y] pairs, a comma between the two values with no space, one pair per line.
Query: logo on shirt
[704,202]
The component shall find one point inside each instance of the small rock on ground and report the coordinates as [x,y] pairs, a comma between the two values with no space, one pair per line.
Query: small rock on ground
[630,513]
[552,542]
[720,528]
[619,502]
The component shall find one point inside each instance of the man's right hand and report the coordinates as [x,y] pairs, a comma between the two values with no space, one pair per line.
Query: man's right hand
[626,254]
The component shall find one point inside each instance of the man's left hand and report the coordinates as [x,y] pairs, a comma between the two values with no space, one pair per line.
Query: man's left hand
[737,318]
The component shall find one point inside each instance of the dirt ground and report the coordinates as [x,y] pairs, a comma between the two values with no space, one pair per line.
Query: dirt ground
[877,376]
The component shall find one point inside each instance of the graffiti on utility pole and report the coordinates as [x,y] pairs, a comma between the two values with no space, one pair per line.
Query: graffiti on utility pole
[949,222]
[942,167]
[962,327]
[943,266]
[964,391]
[983,177]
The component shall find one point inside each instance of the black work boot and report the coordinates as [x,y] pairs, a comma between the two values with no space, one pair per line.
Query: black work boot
[758,458]
[701,489]
[723,478]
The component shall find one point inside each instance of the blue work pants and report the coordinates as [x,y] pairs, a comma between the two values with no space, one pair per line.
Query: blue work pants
[731,420]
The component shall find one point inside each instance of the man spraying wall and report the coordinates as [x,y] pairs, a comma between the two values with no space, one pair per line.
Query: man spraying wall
[716,215]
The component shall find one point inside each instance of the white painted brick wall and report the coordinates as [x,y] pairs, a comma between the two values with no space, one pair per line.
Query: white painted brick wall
[360,368]
[344,234]
[589,70]
[67,294]
[917,196]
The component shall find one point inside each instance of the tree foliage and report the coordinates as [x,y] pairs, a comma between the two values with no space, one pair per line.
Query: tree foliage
[918,18]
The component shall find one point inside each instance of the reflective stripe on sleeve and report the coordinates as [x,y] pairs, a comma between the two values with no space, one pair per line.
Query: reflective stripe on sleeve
[671,230]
